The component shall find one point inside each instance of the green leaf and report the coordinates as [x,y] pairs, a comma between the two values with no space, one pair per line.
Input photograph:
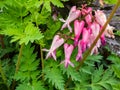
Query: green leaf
[116,70]
[117,33]
[97,74]
[57,3]
[71,72]
[53,27]
[54,75]
[30,34]
[99,79]
[47,5]
[110,1]
[28,66]
[64,0]
[27,86]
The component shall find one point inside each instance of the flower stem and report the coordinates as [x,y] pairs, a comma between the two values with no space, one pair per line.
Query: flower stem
[42,60]
[2,41]
[18,64]
[3,76]
[99,35]
[19,58]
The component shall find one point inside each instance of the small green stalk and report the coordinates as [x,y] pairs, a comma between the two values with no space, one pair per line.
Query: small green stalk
[97,38]
[3,76]
[41,54]
[42,61]
[19,58]
[17,65]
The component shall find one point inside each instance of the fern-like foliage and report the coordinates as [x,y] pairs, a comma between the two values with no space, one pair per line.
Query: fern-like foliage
[28,73]
[57,3]
[27,86]
[71,72]
[116,64]
[21,27]
[99,79]
[54,74]
[30,34]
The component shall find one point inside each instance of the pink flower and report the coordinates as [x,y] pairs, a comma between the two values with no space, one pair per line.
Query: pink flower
[102,38]
[56,43]
[95,27]
[88,19]
[68,51]
[86,10]
[73,14]
[96,30]
[78,27]
[79,55]
[101,19]
[85,39]
[103,41]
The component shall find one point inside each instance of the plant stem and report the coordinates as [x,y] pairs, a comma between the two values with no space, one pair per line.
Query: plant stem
[19,58]
[2,41]
[42,60]
[67,83]
[17,64]
[99,35]
[42,57]
[3,76]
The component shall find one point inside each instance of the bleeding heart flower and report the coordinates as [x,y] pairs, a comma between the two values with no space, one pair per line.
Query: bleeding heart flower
[79,55]
[56,43]
[68,51]
[86,10]
[88,19]
[73,14]
[85,39]
[95,27]
[101,19]
[78,27]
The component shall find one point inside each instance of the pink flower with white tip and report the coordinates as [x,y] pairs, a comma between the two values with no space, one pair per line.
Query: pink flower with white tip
[95,27]
[73,14]
[56,43]
[68,51]
[79,55]
[85,39]
[78,27]
[101,18]
[86,10]
[88,19]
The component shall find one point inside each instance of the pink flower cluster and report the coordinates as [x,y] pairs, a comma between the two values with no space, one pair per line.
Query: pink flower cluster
[87,26]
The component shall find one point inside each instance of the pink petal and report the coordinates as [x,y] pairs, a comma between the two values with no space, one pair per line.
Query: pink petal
[79,55]
[88,19]
[68,51]
[73,14]
[78,27]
